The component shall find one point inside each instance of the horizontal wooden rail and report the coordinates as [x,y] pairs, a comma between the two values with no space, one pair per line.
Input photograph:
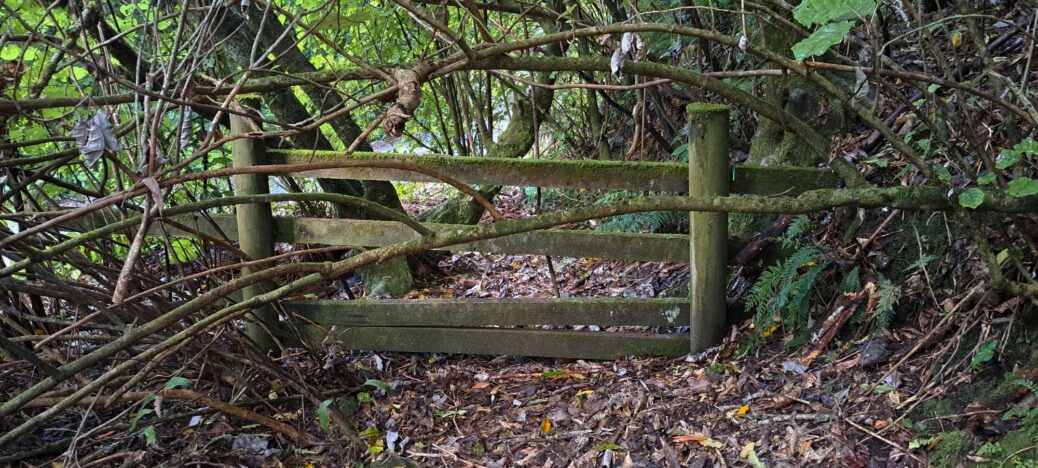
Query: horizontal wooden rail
[500,341]
[670,248]
[482,312]
[570,174]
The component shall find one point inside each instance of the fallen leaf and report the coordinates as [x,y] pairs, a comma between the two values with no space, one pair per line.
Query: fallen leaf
[703,440]
[750,455]
[690,438]
[545,425]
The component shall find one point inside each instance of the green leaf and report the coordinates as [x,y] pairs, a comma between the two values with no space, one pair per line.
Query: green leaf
[986,178]
[918,443]
[811,12]
[604,447]
[378,384]
[1022,187]
[1011,156]
[985,352]
[883,388]
[323,416]
[942,173]
[971,198]
[175,382]
[553,373]
[137,416]
[1007,159]
[10,52]
[878,161]
[364,397]
[1027,146]
[821,40]
[149,435]
[680,151]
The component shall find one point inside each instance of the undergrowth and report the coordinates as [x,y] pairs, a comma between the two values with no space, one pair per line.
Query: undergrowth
[782,295]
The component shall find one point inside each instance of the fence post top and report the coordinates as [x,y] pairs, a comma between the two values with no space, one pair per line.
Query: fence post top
[705,108]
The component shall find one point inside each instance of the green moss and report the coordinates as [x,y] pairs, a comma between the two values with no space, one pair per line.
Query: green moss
[952,448]
[939,408]
[697,108]
[391,278]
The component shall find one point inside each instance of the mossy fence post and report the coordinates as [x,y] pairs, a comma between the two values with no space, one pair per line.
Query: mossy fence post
[255,228]
[708,232]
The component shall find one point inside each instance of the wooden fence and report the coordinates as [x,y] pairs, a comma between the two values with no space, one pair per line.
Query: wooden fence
[508,326]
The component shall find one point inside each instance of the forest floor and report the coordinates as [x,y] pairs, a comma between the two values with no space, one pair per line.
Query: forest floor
[884,400]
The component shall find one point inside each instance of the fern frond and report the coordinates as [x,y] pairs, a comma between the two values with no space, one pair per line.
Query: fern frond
[889,294]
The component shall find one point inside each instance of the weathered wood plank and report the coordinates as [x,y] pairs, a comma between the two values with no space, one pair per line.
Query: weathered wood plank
[254,227]
[502,341]
[502,312]
[708,274]
[671,248]
[570,174]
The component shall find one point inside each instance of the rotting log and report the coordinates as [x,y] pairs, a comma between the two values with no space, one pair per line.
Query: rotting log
[707,177]
[254,228]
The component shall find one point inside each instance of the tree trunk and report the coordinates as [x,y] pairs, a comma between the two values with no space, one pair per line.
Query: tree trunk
[392,278]
[771,144]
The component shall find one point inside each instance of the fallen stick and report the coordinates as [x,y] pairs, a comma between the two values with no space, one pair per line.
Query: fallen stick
[845,307]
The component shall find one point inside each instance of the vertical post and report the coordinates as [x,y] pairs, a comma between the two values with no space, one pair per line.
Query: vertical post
[708,232]
[255,228]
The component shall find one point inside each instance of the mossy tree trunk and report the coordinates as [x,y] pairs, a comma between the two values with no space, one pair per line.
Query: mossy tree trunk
[392,278]
[772,144]
[515,141]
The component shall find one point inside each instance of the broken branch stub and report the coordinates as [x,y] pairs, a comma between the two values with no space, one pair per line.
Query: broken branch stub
[407,99]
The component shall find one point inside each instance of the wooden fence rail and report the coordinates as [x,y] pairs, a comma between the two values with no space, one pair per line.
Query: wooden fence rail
[567,174]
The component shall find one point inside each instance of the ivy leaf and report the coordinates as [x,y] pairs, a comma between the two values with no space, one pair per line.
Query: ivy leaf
[1007,159]
[985,352]
[1022,187]
[971,198]
[1011,156]
[323,416]
[986,178]
[942,173]
[811,12]
[821,40]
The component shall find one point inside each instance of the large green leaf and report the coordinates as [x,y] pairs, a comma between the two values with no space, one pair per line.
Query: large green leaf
[1022,187]
[1011,156]
[971,198]
[821,40]
[811,12]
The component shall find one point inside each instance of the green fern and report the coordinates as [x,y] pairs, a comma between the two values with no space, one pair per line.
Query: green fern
[783,291]
[652,221]
[791,239]
[889,294]
[1028,384]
